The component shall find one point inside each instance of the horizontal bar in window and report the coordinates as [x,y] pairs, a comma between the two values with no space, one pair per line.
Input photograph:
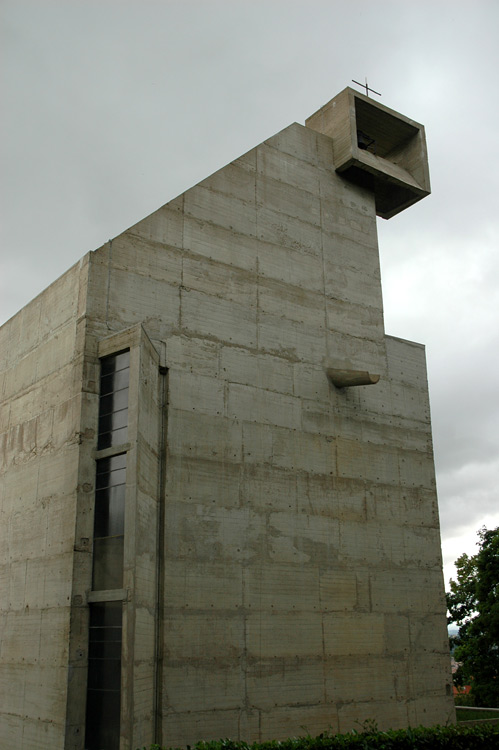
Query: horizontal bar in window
[115,362]
[113,438]
[118,449]
[116,381]
[112,402]
[113,421]
[107,479]
[108,595]
[113,463]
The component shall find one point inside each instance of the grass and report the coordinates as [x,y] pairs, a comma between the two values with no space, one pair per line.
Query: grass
[470,715]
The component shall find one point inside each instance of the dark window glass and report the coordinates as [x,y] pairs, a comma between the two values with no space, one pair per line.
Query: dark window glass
[113,421]
[116,381]
[115,363]
[113,404]
[102,730]
[109,523]
[110,478]
[116,437]
[109,511]
[111,471]
[106,615]
[103,721]
[105,679]
[108,563]
[105,650]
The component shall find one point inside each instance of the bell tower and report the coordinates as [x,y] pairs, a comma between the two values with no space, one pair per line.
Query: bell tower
[376,147]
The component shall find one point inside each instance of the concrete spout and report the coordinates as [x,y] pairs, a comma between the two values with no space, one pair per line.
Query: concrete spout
[349,378]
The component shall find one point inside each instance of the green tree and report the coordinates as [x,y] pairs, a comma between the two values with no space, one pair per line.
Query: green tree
[473,604]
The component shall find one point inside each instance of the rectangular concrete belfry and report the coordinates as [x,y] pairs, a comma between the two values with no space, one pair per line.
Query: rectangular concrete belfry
[282,570]
[376,147]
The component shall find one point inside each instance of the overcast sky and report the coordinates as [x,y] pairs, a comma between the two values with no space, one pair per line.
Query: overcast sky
[111,108]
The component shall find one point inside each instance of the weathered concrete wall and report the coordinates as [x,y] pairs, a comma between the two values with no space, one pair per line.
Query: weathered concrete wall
[39,445]
[282,565]
[302,573]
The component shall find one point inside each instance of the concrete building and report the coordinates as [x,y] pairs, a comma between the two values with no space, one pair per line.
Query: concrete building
[218,505]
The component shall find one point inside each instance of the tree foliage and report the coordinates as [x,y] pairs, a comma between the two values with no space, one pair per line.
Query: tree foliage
[473,604]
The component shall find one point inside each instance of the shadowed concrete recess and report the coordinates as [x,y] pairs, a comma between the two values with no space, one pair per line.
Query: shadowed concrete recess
[218,505]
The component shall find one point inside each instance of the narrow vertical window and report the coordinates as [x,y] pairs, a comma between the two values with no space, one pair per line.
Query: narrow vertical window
[109,523]
[104,677]
[113,403]
[102,728]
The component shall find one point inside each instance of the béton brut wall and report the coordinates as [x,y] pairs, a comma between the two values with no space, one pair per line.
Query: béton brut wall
[282,569]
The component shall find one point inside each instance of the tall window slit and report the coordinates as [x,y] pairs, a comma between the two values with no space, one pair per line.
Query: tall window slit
[102,728]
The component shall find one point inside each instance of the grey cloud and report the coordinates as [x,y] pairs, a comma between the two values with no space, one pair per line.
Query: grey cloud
[112,109]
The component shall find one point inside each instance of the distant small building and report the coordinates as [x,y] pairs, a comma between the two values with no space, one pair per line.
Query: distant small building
[218,505]
[458,690]
[461,690]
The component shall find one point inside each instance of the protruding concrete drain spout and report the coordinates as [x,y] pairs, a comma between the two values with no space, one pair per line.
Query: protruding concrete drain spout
[349,378]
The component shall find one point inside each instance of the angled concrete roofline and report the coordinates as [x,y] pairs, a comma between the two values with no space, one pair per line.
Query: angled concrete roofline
[196,485]
[376,147]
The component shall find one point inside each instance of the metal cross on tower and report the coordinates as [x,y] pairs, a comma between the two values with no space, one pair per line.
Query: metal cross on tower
[366,87]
